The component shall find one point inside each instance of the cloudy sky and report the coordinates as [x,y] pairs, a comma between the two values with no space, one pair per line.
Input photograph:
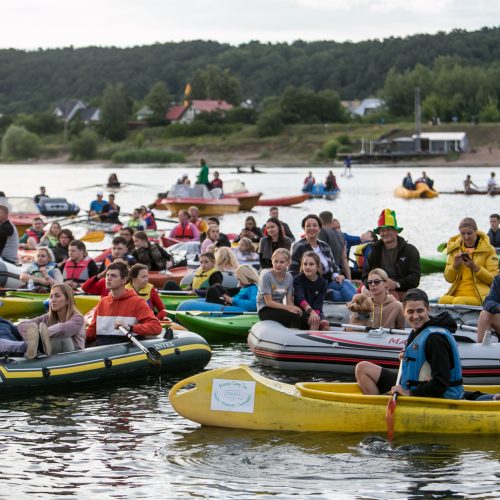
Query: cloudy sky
[30,24]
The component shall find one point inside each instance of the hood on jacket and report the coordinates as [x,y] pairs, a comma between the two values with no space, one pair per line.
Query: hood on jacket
[443,320]
[455,243]
[124,296]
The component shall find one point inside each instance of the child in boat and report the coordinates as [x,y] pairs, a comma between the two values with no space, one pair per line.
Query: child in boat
[245,299]
[309,290]
[139,281]
[275,296]
[245,251]
[43,271]
[379,305]
[60,330]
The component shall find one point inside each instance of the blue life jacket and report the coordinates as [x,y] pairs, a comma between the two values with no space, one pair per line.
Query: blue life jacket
[414,360]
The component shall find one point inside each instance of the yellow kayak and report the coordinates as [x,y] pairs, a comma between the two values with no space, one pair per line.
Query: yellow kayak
[239,398]
[421,190]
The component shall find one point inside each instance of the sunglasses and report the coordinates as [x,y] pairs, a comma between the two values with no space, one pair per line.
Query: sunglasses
[374,282]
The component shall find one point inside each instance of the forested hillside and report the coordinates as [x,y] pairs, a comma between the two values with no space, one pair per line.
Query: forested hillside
[35,80]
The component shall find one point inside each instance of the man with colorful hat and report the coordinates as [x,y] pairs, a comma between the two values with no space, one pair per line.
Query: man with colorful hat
[399,259]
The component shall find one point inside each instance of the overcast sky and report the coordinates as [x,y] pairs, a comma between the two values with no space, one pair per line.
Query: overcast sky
[30,24]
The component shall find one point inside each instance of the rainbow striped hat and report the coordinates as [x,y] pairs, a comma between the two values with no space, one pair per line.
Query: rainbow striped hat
[387,219]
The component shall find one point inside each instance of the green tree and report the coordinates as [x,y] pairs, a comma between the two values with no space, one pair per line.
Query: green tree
[20,144]
[214,83]
[490,112]
[84,147]
[158,101]
[115,110]
[270,123]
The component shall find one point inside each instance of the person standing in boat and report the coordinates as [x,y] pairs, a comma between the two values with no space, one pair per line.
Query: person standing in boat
[203,174]
[121,307]
[347,166]
[431,361]
[9,238]
[494,231]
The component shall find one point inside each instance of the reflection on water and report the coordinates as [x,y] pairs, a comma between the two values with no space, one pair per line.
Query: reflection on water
[126,440]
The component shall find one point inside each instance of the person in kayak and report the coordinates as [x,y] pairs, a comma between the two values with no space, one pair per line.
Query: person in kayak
[251,230]
[51,236]
[139,282]
[97,205]
[275,213]
[471,265]
[31,238]
[245,251]
[121,307]
[223,239]
[399,259]
[184,230]
[194,218]
[64,238]
[60,330]
[43,271]
[127,234]
[489,318]
[431,362]
[150,254]
[275,238]
[79,267]
[309,290]
[275,296]
[385,311]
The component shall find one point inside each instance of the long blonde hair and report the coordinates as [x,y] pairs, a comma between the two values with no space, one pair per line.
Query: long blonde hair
[67,291]
[225,259]
[247,274]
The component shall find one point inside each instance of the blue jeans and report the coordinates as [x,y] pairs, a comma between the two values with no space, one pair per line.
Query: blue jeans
[342,292]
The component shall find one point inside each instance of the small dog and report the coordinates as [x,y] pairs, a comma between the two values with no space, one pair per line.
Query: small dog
[361,307]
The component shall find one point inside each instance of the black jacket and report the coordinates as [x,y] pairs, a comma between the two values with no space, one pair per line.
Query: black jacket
[407,264]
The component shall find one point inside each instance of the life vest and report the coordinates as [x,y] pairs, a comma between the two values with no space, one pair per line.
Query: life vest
[200,278]
[34,234]
[77,271]
[144,292]
[359,254]
[135,223]
[415,363]
[185,232]
[34,270]
[150,221]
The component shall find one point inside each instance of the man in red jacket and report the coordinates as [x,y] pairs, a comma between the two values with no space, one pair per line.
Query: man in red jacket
[121,308]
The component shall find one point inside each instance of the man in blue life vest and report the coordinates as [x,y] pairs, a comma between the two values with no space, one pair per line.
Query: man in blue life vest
[431,362]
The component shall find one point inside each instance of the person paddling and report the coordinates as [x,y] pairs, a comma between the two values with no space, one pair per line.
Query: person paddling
[431,361]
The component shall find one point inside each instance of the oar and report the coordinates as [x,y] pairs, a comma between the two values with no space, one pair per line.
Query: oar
[391,406]
[156,218]
[152,353]
[93,236]
[361,328]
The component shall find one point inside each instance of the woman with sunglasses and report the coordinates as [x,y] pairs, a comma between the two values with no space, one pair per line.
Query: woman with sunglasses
[386,311]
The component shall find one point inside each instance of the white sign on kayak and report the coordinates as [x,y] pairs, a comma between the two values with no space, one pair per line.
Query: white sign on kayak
[233,395]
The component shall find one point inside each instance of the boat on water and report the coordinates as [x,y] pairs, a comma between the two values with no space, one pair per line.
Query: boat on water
[319,191]
[182,196]
[180,351]
[59,207]
[283,201]
[338,350]
[471,192]
[22,211]
[422,190]
[237,397]
[218,326]
[237,190]
[432,264]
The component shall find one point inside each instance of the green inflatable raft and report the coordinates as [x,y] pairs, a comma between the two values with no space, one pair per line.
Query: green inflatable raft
[217,327]
[180,352]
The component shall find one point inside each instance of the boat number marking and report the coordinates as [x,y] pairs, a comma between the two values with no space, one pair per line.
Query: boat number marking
[233,395]
[397,340]
[164,345]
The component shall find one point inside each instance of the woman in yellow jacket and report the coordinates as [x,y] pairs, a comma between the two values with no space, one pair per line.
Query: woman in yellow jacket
[470,267]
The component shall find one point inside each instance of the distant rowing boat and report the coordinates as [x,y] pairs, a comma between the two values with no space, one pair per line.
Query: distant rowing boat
[474,191]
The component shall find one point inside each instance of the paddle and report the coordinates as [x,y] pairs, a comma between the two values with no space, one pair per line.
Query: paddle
[391,407]
[156,218]
[152,353]
[93,236]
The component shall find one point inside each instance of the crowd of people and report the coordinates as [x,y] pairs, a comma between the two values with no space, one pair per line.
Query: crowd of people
[270,272]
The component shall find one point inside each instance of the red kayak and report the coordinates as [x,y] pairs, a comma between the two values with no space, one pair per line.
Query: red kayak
[159,278]
[284,201]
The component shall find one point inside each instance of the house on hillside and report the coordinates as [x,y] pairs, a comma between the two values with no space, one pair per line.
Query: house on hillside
[144,113]
[186,114]
[70,108]
[368,106]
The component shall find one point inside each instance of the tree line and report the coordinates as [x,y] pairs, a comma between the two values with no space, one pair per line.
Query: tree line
[35,80]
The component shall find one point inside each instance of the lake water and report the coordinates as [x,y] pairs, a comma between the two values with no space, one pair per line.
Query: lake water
[125,441]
